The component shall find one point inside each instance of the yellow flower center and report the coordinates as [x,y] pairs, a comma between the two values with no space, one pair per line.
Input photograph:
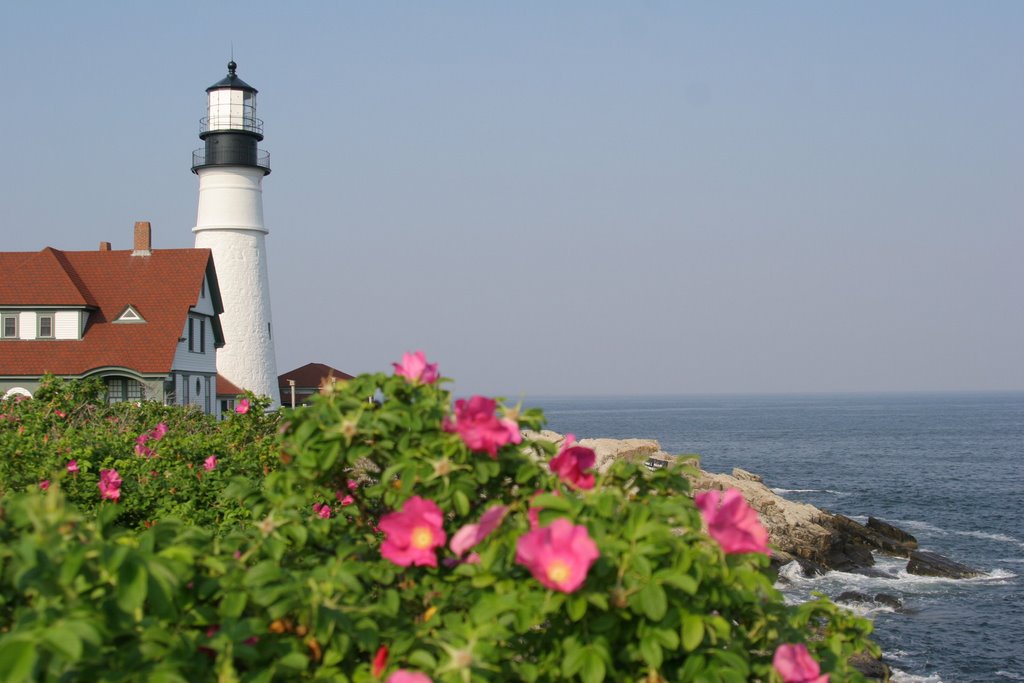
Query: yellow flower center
[558,571]
[422,537]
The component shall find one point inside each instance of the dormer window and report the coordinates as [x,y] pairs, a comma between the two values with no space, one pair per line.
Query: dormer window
[129,315]
[45,326]
[9,325]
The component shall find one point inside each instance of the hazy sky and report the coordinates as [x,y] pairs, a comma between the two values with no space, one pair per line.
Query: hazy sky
[567,197]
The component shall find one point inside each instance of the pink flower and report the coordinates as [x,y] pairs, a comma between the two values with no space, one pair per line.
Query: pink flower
[795,664]
[73,467]
[110,485]
[558,555]
[44,484]
[380,661]
[158,432]
[345,500]
[323,510]
[481,430]
[415,368]
[243,407]
[411,535]
[471,534]
[570,463]
[60,413]
[210,463]
[403,676]
[352,486]
[732,522]
[140,446]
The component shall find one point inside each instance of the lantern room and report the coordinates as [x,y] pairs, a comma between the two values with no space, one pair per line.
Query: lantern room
[231,106]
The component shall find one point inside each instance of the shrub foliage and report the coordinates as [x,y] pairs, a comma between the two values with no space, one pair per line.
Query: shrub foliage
[269,565]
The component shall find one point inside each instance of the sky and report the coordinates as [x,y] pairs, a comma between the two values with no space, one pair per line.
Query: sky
[567,198]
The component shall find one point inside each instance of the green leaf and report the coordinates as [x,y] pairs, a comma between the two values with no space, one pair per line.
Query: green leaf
[593,666]
[17,659]
[132,584]
[653,601]
[461,502]
[233,604]
[693,632]
[549,501]
[650,650]
[422,659]
[64,642]
[295,661]
[577,607]
[572,662]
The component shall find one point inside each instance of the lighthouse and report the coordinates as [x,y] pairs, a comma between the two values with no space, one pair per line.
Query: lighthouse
[231,168]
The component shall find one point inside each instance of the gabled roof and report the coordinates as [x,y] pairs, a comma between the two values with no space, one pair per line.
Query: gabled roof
[162,287]
[43,278]
[311,375]
[226,388]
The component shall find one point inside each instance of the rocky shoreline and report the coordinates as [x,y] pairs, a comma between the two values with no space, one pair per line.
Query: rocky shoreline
[818,540]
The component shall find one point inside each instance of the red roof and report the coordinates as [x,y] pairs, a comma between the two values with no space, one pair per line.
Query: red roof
[311,375]
[162,287]
[226,388]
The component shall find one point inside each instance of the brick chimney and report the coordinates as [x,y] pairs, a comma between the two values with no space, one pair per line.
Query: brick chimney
[143,239]
[104,246]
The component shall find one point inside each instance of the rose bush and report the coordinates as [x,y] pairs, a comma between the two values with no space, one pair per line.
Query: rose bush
[617,581]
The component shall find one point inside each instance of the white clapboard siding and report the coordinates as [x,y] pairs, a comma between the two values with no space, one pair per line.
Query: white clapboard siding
[65,325]
[27,325]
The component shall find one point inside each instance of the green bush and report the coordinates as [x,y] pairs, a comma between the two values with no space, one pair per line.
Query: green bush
[273,586]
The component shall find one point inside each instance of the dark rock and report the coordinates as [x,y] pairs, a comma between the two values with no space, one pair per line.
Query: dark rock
[855,533]
[890,531]
[889,600]
[924,563]
[873,573]
[853,596]
[871,667]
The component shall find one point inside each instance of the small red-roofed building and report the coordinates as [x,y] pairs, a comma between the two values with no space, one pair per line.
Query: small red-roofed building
[306,381]
[146,321]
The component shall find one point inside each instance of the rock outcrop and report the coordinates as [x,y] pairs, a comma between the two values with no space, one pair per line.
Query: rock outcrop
[817,539]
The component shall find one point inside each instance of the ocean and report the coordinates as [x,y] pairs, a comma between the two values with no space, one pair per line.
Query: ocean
[948,468]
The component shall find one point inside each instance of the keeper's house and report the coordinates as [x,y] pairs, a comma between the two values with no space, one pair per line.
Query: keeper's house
[146,321]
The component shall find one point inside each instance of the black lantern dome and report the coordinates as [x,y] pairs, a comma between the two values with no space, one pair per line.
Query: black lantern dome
[231,129]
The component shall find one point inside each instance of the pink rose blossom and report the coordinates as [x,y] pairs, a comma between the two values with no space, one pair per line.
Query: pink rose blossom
[481,430]
[795,664]
[323,510]
[732,522]
[558,555]
[352,486]
[403,676]
[156,434]
[110,485]
[411,535]
[345,500]
[73,467]
[210,463]
[571,462]
[243,407]
[415,368]
[44,484]
[471,534]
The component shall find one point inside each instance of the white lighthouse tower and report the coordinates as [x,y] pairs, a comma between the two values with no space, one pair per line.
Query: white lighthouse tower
[230,223]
